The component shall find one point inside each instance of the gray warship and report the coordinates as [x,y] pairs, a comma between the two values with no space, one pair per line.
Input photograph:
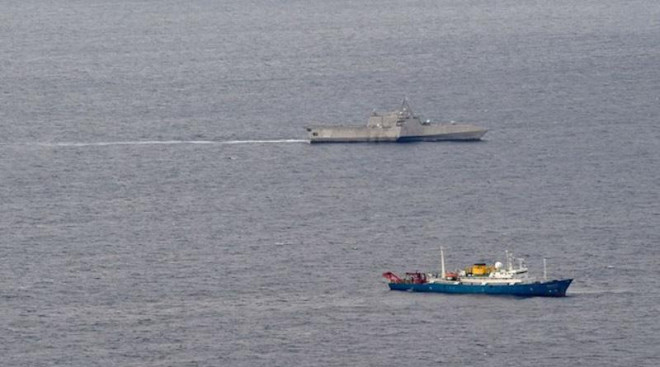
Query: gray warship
[400,125]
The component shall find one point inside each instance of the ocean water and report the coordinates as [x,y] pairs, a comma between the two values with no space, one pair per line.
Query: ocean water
[159,205]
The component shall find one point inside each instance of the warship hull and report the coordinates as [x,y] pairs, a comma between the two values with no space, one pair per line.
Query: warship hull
[446,132]
[554,288]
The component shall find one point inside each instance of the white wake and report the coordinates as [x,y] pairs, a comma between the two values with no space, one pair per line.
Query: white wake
[166,142]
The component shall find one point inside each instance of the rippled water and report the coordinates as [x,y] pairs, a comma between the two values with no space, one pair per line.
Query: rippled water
[160,206]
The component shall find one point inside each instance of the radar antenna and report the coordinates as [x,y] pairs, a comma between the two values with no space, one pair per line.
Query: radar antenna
[405,111]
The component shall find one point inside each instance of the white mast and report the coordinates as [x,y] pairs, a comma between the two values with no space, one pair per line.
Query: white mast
[442,262]
[545,273]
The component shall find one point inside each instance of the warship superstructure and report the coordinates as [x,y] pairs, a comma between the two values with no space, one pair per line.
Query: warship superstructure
[400,125]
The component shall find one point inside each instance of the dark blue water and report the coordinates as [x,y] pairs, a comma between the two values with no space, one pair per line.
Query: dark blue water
[158,207]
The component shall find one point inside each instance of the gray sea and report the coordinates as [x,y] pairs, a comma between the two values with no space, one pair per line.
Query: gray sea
[160,206]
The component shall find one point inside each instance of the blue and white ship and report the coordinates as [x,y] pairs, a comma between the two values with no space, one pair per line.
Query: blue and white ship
[481,278]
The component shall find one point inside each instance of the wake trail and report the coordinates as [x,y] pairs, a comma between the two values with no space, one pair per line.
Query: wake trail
[163,142]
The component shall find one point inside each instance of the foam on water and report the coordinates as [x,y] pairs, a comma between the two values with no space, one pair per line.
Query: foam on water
[161,142]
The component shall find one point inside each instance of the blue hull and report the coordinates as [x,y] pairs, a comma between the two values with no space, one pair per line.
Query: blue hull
[554,288]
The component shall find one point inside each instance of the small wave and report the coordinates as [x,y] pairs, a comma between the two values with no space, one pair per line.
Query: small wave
[599,291]
[164,142]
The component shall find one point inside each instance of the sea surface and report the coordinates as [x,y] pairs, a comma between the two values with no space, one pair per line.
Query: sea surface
[160,205]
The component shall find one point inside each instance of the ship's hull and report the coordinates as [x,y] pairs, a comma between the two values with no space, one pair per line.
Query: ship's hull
[444,132]
[554,288]
[460,136]
[353,135]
